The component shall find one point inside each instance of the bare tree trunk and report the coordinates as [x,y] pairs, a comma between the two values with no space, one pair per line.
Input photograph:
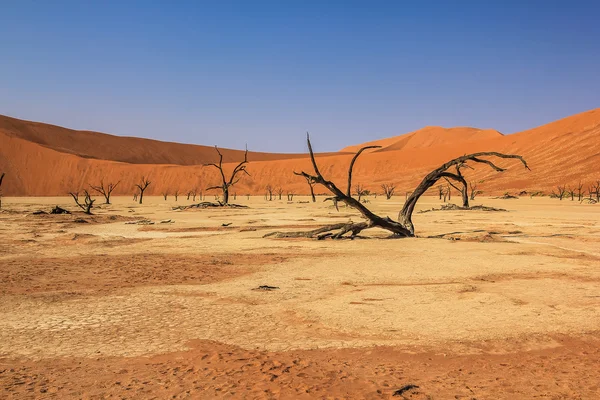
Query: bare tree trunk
[142,186]
[226,184]
[1,179]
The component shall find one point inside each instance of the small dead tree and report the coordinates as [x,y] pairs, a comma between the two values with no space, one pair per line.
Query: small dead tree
[579,191]
[360,191]
[594,190]
[474,191]
[176,194]
[388,190]
[105,191]
[142,186]
[269,192]
[189,194]
[571,193]
[441,193]
[290,196]
[279,192]
[1,179]
[88,203]
[404,226]
[562,190]
[444,193]
[135,196]
[227,183]
[311,185]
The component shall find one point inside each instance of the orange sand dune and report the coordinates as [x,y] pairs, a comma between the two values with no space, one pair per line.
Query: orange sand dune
[133,150]
[562,152]
[429,136]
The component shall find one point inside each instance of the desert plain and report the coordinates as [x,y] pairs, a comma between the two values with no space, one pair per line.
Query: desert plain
[146,301]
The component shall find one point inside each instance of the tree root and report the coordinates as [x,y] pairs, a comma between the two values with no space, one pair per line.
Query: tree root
[454,207]
[208,204]
[326,232]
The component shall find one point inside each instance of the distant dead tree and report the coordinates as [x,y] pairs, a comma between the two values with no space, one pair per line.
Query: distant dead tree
[1,179]
[189,194]
[404,226]
[105,191]
[579,191]
[135,196]
[88,203]
[571,192]
[388,190]
[290,196]
[474,191]
[444,193]
[560,194]
[143,185]
[279,192]
[441,193]
[360,191]
[165,194]
[227,183]
[248,196]
[311,185]
[594,190]
[176,193]
[234,195]
[269,192]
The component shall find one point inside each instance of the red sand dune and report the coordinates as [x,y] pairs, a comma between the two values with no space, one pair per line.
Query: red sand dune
[41,159]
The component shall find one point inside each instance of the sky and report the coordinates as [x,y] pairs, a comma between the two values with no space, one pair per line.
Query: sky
[265,72]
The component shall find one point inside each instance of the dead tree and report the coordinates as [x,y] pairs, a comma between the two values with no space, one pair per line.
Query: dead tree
[594,189]
[562,190]
[579,191]
[311,185]
[441,193]
[279,192]
[290,196]
[1,179]
[474,191]
[88,202]
[388,190]
[143,185]
[360,191]
[269,193]
[404,226]
[571,192]
[226,184]
[105,191]
[189,194]
[176,194]
[165,194]
[135,196]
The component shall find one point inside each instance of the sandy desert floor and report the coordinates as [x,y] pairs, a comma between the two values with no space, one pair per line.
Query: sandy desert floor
[482,305]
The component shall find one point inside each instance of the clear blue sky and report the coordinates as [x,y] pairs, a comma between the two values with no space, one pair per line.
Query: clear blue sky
[264,72]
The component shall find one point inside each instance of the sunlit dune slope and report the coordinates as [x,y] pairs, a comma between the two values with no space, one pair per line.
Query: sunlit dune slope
[429,136]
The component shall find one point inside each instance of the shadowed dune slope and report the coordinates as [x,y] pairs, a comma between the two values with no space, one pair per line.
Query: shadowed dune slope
[88,144]
[563,152]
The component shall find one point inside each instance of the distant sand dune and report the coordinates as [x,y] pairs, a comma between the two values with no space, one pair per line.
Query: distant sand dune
[41,159]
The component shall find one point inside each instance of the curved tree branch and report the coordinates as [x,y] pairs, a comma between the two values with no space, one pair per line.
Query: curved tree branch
[348,190]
